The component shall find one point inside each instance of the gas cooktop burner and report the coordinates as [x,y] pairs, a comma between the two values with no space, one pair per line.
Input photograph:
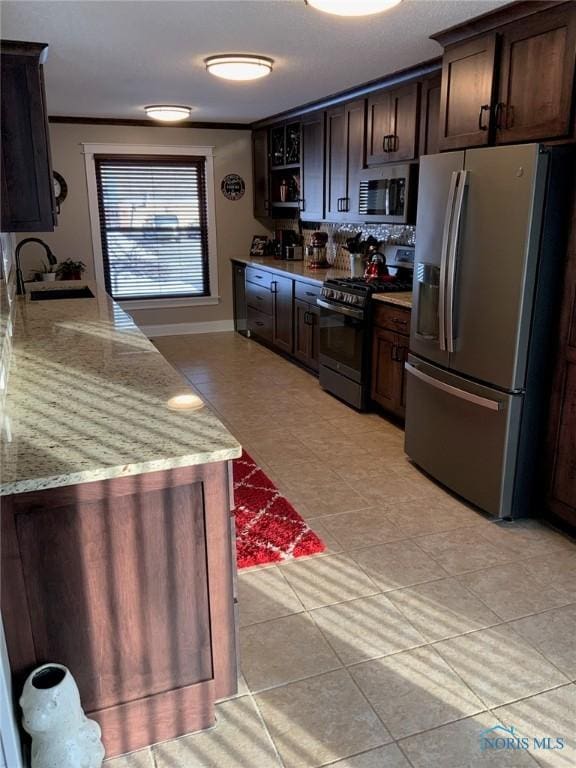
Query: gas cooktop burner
[372,286]
[357,291]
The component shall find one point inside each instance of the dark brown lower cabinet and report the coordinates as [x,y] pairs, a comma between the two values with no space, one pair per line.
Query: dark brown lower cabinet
[306,333]
[388,380]
[561,447]
[130,583]
[283,295]
[390,342]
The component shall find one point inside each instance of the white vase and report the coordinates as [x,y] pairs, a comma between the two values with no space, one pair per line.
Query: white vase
[62,735]
[48,277]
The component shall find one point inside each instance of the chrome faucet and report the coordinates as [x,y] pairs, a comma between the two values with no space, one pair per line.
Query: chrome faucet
[20,287]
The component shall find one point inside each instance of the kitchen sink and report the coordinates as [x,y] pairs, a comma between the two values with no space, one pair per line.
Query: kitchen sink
[62,293]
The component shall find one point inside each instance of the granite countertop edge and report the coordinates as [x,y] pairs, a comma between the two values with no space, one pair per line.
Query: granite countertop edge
[81,442]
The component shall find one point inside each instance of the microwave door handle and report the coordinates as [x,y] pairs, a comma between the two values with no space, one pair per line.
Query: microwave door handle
[444,259]
[452,256]
[387,198]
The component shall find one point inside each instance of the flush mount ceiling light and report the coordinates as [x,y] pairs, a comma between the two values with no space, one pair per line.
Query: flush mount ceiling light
[168,113]
[235,66]
[352,7]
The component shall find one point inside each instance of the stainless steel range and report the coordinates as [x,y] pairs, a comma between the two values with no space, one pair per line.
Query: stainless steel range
[346,334]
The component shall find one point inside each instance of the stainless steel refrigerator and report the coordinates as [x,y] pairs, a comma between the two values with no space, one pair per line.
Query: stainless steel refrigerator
[490,245]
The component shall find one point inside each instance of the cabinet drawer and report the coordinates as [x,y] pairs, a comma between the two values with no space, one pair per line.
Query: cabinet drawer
[392,318]
[306,291]
[260,324]
[259,297]
[259,277]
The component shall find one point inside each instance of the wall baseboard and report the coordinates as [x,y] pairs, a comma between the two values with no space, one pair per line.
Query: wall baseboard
[183,329]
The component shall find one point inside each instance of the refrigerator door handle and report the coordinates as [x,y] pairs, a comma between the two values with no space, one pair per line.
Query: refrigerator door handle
[483,402]
[444,259]
[451,261]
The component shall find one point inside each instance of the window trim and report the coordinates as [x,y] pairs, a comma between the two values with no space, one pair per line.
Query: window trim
[89,150]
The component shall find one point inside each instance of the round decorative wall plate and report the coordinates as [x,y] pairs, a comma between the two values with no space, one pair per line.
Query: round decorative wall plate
[60,189]
[233,186]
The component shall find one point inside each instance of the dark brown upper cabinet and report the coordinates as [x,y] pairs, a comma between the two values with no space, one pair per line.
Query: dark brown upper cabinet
[312,174]
[345,131]
[537,77]
[430,115]
[261,178]
[392,125]
[512,83]
[335,163]
[27,190]
[468,77]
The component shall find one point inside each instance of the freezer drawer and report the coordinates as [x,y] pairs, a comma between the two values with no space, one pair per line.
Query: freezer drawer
[463,434]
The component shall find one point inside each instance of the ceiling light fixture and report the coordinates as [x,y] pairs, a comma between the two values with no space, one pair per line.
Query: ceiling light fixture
[352,7]
[239,66]
[168,113]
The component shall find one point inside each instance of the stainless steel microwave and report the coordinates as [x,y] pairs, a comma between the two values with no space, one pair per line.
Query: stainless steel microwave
[388,194]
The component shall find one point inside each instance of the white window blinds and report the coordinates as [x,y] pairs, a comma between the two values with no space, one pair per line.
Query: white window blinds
[153,226]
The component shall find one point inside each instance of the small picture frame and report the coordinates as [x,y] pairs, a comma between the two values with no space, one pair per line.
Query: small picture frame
[258,247]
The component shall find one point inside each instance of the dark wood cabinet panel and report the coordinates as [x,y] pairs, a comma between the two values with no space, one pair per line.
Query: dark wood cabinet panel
[405,120]
[312,175]
[335,163]
[468,77]
[129,582]
[430,116]
[306,333]
[390,344]
[27,191]
[261,177]
[283,294]
[378,128]
[537,77]
[259,297]
[355,119]
[387,372]
[259,324]
[561,441]
[392,125]
[345,139]
[98,547]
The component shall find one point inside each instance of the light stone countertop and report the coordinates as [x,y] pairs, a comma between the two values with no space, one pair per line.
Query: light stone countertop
[399,299]
[298,269]
[87,400]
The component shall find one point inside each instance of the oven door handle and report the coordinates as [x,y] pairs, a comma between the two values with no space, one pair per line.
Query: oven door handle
[341,310]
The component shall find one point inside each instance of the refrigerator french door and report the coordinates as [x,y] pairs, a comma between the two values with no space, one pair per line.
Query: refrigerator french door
[488,254]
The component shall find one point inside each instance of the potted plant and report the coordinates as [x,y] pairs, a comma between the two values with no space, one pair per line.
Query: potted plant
[48,274]
[70,270]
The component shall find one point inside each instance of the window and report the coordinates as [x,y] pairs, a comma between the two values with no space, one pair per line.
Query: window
[153,223]
[153,226]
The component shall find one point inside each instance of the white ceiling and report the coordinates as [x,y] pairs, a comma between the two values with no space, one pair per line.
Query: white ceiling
[109,59]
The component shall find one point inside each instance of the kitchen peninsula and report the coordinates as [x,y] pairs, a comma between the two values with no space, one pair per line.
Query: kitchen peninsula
[117,544]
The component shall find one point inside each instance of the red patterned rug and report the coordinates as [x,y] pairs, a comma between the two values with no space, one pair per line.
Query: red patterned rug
[268,528]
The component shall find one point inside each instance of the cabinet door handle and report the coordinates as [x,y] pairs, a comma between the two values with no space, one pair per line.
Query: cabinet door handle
[259,322]
[500,107]
[273,287]
[340,205]
[399,321]
[395,143]
[310,293]
[346,207]
[483,108]
[385,144]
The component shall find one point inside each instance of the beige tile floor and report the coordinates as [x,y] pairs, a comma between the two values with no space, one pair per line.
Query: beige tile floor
[421,625]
